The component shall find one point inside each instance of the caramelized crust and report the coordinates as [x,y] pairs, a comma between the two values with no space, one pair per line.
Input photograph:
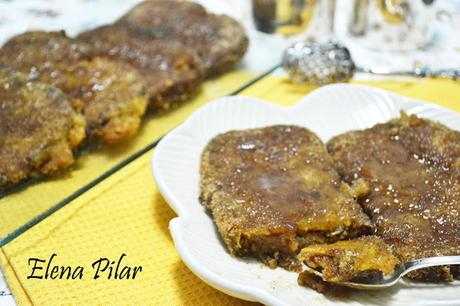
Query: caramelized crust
[219,40]
[172,71]
[110,95]
[360,259]
[409,173]
[38,128]
[274,190]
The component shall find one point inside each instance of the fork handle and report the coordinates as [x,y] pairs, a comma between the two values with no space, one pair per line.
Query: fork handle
[449,73]
[430,262]
[422,72]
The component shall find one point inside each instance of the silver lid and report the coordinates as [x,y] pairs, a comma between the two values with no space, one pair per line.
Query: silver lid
[318,63]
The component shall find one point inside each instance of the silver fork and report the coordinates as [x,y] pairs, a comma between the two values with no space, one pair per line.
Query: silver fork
[400,271]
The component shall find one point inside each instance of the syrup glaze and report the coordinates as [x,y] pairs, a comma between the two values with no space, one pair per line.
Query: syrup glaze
[411,169]
[273,190]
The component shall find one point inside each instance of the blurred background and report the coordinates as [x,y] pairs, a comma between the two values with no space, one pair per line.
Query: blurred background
[378,33]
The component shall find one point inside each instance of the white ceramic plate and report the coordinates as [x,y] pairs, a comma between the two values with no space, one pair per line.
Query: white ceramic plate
[328,111]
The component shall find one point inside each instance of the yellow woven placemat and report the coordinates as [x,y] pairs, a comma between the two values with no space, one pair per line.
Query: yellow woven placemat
[126,214]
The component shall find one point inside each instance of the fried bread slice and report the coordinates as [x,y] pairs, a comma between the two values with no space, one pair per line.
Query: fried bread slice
[360,259]
[110,95]
[172,71]
[38,128]
[272,191]
[408,173]
[219,40]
